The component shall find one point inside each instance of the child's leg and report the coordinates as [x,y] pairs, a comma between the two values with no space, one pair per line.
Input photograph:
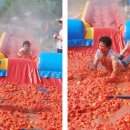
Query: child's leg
[123,62]
[120,57]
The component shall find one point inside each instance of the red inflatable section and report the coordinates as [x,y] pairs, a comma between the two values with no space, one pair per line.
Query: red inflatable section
[26,71]
[114,34]
[22,71]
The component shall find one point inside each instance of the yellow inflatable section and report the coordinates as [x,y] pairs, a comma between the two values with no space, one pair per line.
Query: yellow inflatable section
[90,33]
[3,59]
[89,29]
[87,25]
[2,55]
[4,64]
[2,38]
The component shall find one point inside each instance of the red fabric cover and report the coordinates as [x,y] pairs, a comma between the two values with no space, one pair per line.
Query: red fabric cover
[12,43]
[25,71]
[116,36]
[22,71]
[104,13]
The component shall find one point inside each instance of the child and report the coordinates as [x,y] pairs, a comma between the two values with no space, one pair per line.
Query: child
[25,51]
[107,57]
[58,38]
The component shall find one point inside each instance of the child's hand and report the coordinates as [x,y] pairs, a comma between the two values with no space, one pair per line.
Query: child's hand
[113,78]
[20,53]
[23,51]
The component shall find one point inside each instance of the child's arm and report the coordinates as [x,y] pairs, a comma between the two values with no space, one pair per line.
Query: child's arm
[96,60]
[95,64]
[20,53]
[115,66]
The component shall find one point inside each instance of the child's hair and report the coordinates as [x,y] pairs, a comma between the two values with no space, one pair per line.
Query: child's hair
[26,43]
[106,40]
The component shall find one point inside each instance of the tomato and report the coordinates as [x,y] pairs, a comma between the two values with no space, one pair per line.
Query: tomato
[87,100]
[20,106]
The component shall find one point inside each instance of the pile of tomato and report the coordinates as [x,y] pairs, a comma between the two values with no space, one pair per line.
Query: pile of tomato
[25,106]
[88,92]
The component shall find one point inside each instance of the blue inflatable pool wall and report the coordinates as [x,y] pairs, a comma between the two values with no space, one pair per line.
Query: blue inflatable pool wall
[50,65]
[76,33]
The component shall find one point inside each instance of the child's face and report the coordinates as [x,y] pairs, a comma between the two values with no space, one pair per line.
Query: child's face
[26,47]
[103,47]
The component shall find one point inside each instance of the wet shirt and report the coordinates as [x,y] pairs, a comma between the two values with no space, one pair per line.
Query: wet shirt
[107,60]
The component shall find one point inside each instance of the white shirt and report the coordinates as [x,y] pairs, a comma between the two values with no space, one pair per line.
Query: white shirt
[99,54]
[58,41]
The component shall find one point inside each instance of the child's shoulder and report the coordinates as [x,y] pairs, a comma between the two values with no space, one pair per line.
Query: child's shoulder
[112,52]
[98,53]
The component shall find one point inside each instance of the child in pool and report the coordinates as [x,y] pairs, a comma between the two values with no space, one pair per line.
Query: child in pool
[107,57]
[25,51]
